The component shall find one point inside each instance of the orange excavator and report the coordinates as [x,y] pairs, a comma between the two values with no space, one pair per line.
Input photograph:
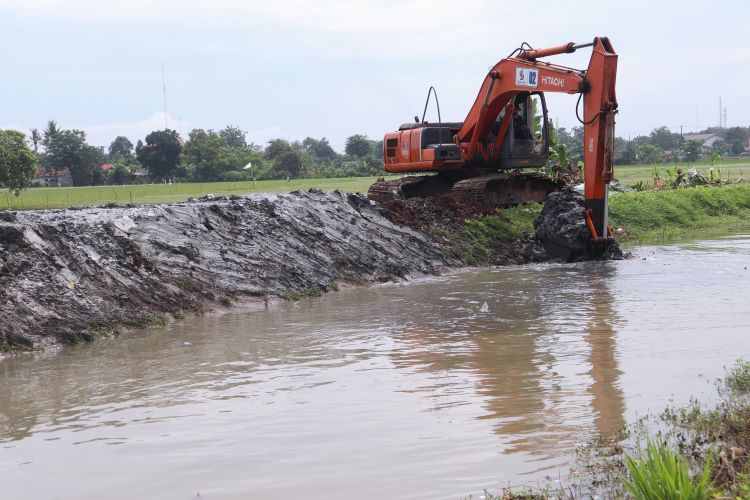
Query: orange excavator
[507,130]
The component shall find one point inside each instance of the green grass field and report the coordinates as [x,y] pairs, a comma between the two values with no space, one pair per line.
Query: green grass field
[140,194]
[631,174]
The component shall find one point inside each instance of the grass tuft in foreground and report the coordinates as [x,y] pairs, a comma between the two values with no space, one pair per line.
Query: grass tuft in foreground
[701,451]
[661,474]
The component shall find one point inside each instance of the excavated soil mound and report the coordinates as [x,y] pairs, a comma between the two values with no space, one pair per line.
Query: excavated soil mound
[435,214]
[69,275]
[561,229]
[444,211]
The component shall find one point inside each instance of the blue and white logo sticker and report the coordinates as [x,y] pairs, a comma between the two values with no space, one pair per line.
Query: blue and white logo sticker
[526,77]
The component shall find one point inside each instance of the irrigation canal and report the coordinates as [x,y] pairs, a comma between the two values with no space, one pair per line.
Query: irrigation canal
[436,388]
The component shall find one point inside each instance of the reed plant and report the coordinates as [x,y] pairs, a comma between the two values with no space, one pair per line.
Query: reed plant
[658,473]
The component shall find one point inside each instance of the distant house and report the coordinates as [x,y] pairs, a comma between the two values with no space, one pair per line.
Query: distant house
[707,140]
[52,178]
[106,167]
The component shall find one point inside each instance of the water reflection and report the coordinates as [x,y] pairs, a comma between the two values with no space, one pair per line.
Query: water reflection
[607,398]
[527,351]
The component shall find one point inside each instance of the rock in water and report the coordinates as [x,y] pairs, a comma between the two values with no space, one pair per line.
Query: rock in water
[562,230]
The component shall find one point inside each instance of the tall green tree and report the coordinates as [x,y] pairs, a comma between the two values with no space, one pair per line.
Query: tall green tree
[233,136]
[161,154]
[359,146]
[207,155]
[121,149]
[17,162]
[50,131]
[735,138]
[86,171]
[36,139]
[64,149]
[276,148]
[320,149]
[648,153]
[664,139]
[692,150]
[288,164]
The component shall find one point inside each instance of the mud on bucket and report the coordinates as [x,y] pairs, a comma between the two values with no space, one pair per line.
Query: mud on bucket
[561,229]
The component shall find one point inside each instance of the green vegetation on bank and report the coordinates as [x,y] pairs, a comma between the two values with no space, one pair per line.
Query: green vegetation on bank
[727,169]
[484,238]
[695,451]
[669,214]
[649,216]
[643,217]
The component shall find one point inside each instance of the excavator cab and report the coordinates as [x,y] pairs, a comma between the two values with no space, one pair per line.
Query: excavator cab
[526,140]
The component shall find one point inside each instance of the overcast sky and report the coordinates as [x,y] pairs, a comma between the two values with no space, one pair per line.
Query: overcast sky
[292,68]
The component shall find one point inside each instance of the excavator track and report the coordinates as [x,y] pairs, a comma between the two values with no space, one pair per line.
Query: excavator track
[506,190]
[500,190]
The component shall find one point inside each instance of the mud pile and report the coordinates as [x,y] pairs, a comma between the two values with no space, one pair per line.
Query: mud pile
[445,211]
[72,275]
[562,230]
[443,218]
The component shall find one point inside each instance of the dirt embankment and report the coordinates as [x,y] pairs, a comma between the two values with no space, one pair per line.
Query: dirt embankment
[73,275]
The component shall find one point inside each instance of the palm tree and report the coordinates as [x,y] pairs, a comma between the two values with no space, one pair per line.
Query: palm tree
[50,131]
[36,138]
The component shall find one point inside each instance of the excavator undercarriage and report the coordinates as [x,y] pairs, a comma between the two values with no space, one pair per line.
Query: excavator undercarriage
[497,189]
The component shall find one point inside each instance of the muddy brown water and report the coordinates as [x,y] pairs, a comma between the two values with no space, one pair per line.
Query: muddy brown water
[413,390]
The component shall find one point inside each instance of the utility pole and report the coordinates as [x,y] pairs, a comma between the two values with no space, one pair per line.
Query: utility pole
[164,91]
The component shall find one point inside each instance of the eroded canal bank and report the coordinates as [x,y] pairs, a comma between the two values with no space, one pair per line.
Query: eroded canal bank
[68,276]
[437,388]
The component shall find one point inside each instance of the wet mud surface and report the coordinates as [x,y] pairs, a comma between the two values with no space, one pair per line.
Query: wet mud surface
[73,275]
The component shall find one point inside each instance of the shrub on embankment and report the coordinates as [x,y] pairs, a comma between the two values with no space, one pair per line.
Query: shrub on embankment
[663,215]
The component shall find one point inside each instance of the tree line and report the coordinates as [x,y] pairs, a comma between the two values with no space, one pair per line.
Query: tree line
[224,155]
[206,155]
[662,145]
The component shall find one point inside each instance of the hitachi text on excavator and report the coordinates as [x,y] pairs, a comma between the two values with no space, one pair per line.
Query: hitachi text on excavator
[506,132]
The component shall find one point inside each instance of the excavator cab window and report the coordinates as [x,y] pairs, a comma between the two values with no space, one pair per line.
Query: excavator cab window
[529,134]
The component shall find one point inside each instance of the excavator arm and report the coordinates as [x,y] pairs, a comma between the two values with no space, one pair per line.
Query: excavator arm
[597,85]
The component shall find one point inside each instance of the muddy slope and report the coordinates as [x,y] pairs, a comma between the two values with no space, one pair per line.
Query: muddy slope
[72,275]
